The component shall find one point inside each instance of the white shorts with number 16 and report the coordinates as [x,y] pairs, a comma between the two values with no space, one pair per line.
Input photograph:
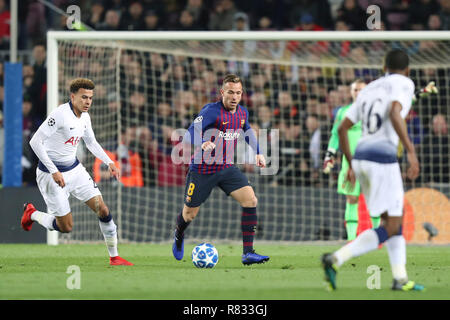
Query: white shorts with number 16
[382,186]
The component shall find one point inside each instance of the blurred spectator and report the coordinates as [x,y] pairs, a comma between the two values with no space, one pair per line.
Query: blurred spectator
[28,80]
[175,77]
[200,96]
[307,23]
[352,14]
[29,160]
[435,152]
[444,14]
[120,6]
[294,157]
[268,14]
[36,23]
[127,160]
[342,48]
[420,10]
[414,126]
[211,85]
[152,21]
[222,17]
[186,22]
[286,110]
[264,117]
[317,147]
[169,174]
[39,93]
[244,48]
[313,128]
[317,11]
[184,109]
[133,19]
[434,22]
[96,15]
[4,25]
[134,75]
[199,13]
[111,22]
[134,114]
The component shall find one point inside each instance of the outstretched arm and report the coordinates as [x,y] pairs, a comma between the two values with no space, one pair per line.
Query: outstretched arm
[95,148]
[425,92]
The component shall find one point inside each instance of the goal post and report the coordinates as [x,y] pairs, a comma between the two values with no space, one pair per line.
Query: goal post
[150,84]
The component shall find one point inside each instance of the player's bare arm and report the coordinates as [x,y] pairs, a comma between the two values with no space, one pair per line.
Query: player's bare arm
[400,128]
[345,125]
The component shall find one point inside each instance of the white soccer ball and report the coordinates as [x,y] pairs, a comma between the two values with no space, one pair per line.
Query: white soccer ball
[205,255]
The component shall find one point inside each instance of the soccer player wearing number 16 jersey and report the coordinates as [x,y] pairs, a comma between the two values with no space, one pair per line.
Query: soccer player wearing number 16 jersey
[60,174]
[214,134]
[381,107]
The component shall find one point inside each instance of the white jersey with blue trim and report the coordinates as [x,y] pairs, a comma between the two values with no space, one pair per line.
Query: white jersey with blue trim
[64,130]
[379,141]
[56,141]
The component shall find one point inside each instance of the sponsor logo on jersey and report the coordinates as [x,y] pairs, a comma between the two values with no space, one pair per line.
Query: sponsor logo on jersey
[229,135]
[73,141]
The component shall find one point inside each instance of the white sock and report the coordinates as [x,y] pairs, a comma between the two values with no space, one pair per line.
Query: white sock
[364,243]
[396,248]
[44,219]
[109,230]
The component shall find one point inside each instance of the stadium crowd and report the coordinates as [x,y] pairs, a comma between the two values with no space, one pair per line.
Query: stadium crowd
[299,101]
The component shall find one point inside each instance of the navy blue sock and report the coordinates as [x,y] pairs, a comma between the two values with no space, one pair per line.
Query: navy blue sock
[55,226]
[382,234]
[106,219]
[181,226]
[248,226]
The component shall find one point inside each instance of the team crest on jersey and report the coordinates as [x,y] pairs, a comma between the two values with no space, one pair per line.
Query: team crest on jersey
[51,122]
[188,199]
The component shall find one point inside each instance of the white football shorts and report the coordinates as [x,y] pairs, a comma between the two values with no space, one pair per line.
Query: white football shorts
[382,186]
[78,184]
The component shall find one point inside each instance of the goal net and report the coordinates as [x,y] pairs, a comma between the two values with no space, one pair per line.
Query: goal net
[150,87]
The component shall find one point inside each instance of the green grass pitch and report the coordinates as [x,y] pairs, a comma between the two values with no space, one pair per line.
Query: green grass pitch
[293,273]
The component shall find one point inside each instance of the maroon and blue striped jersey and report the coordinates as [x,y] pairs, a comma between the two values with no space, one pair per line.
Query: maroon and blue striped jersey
[216,124]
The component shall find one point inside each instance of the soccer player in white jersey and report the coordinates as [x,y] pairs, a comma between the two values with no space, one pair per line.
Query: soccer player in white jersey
[381,107]
[60,174]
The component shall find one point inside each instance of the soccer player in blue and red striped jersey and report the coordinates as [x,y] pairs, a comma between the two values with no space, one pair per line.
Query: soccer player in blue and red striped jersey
[214,134]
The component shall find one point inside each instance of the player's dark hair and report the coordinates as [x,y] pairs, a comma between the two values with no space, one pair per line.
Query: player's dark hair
[231,78]
[396,59]
[81,83]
